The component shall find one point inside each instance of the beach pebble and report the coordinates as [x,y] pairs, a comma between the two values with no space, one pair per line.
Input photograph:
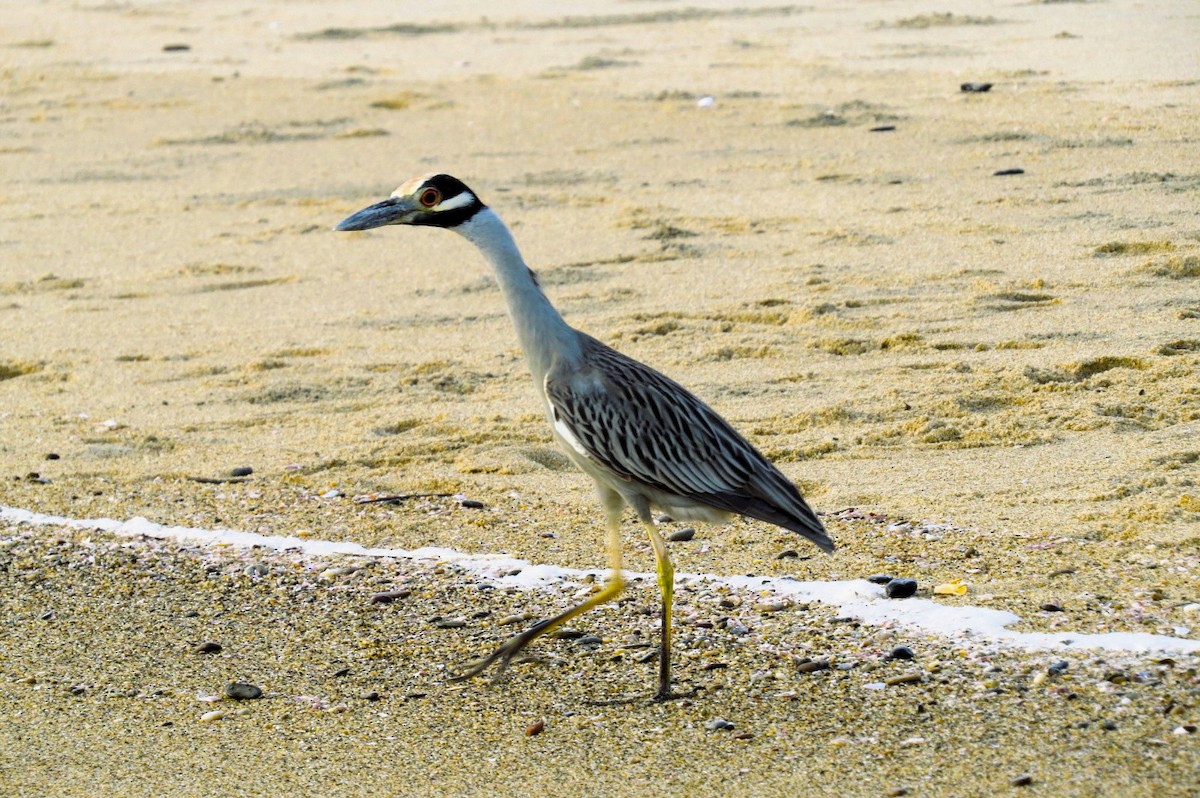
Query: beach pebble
[718,724]
[470,504]
[897,792]
[812,666]
[1007,172]
[880,579]
[373,695]
[1052,606]
[208,647]
[1058,668]
[908,678]
[447,623]
[241,471]
[53,456]
[787,554]
[255,569]
[535,728]
[589,640]
[243,691]
[682,535]
[388,596]
[48,615]
[77,689]
[736,627]
[214,714]
[1024,780]
[975,88]
[900,588]
[901,652]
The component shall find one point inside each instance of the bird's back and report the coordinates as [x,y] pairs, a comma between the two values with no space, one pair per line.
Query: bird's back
[655,437]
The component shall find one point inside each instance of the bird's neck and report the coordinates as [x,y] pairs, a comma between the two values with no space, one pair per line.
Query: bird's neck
[542,331]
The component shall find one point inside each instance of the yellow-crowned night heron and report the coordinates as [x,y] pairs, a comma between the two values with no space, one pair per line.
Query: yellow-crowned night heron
[645,440]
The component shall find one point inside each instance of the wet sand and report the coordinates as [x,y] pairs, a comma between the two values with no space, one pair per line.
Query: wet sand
[824,251]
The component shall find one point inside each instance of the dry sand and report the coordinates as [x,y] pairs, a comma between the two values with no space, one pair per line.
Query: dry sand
[903,330]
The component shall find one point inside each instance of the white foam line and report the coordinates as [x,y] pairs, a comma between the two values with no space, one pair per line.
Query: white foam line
[857,598]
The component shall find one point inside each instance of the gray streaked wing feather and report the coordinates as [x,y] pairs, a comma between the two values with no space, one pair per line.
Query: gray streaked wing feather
[646,428]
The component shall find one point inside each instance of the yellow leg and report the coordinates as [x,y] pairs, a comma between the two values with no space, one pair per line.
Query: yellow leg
[666,583]
[612,588]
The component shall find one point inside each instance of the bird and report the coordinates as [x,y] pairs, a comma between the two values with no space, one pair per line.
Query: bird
[646,441]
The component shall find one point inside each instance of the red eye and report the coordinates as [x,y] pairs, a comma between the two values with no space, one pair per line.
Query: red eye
[430,197]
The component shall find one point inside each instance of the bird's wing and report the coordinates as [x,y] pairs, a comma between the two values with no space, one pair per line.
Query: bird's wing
[646,428]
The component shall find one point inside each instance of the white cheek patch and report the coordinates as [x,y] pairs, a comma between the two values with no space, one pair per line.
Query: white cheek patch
[457,201]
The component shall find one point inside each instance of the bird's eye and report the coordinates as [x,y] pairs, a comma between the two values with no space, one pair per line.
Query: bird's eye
[430,197]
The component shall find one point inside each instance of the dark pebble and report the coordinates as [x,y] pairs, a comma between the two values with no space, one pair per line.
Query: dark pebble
[208,647]
[718,724]
[1059,667]
[373,696]
[901,652]
[244,471]
[52,456]
[589,640]
[882,129]
[388,596]
[1052,606]
[715,666]
[48,615]
[341,672]
[902,587]
[813,665]
[1108,725]
[471,504]
[682,535]
[787,554]
[650,656]
[896,792]
[176,48]
[880,579]
[1006,172]
[78,689]
[1024,780]
[243,691]
[975,88]
[535,728]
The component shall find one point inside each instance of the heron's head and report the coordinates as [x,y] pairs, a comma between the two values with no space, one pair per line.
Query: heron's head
[432,200]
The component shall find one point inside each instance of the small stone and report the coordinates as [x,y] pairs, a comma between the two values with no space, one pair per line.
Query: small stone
[908,678]
[471,504]
[788,554]
[736,627]
[176,48]
[718,724]
[900,588]
[650,656]
[77,689]
[682,535]
[1024,780]
[1007,172]
[341,673]
[535,728]
[881,129]
[243,691]
[589,640]
[388,596]
[208,647]
[975,88]
[1058,668]
[1108,725]
[1052,606]
[813,665]
[216,714]
[901,652]
[372,696]
[743,735]
[53,456]
[241,471]
[897,792]
[48,615]
[566,634]
[880,579]
[256,570]
[448,623]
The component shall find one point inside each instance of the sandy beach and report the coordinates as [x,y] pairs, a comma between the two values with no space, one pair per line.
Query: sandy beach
[966,323]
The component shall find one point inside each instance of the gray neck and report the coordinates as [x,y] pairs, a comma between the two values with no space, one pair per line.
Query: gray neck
[541,330]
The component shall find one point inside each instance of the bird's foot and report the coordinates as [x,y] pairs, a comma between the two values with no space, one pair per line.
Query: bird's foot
[504,654]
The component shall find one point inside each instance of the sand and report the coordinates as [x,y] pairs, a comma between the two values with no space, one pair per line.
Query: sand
[795,211]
